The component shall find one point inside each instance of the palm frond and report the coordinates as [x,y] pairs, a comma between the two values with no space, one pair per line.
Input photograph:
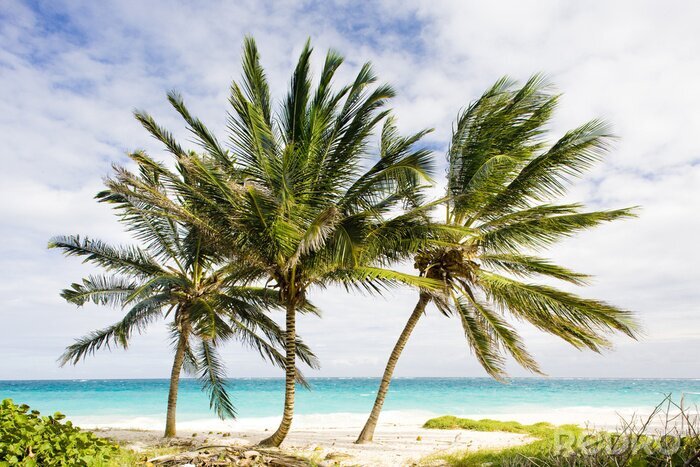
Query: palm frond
[101,290]
[247,334]
[121,259]
[138,317]
[493,139]
[528,266]
[159,133]
[579,321]
[548,175]
[544,231]
[190,365]
[203,136]
[504,337]
[479,340]
[375,280]
[212,375]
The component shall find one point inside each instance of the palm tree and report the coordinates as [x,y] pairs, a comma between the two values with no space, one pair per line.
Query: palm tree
[299,199]
[502,178]
[176,275]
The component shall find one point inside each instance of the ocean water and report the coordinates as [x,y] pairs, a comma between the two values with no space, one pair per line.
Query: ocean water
[142,403]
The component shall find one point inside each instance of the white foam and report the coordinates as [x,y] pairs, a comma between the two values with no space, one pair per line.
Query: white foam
[337,420]
[602,417]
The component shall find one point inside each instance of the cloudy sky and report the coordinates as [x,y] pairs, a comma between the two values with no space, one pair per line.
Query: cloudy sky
[71,73]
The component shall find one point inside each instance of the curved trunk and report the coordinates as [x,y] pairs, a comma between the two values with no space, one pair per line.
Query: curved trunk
[290,370]
[367,432]
[174,383]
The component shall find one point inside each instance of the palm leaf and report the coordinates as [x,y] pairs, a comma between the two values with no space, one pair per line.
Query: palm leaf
[213,379]
[101,290]
[120,259]
[138,317]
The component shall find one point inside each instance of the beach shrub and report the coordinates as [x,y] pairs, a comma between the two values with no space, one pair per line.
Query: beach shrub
[669,437]
[28,439]
[449,422]
[543,438]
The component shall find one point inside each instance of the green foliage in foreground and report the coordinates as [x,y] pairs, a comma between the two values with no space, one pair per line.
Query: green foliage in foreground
[128,457]
[571,445]
[28,439]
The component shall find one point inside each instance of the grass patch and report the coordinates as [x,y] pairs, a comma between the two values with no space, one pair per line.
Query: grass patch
[127,457]
[449,422]
[669,437]
[545,436]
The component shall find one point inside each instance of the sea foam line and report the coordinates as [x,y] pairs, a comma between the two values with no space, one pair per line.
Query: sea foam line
[584,416]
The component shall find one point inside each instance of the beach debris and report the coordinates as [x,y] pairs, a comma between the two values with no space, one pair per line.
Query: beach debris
[336,456]
[436,463]
[251,454]
[213,456]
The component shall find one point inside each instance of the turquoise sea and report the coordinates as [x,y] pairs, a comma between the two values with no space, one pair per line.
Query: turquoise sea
[105,401]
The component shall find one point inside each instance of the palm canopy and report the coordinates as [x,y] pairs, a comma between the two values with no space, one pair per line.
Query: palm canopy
[503,179]
[175,274]
[299,199]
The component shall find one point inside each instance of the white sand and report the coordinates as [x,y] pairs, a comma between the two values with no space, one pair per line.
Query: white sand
[394,444]
[332,436]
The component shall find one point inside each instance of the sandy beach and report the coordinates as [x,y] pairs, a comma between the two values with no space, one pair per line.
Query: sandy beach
[329,439]
[394,444]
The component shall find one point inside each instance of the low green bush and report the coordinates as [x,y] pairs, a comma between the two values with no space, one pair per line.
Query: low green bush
[542,439]
[28,439]
[450,422]
[668,437]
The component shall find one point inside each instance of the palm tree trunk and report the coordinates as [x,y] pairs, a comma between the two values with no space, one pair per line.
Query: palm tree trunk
[290,381]
[174,383]
[367,432]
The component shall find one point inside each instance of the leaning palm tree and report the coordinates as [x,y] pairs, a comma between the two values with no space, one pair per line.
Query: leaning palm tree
[502,178]
[300,200]
[175,275]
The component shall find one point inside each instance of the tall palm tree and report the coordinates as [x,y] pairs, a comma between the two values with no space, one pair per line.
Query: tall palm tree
[175,274]
[300,199]
[502,178]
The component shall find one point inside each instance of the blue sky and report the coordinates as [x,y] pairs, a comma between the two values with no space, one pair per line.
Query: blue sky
[72,72]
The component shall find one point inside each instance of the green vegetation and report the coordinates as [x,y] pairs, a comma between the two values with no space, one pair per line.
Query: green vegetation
[543,445]
[28,439]
[449,422]
[129,458]
[503,184]
[677,444]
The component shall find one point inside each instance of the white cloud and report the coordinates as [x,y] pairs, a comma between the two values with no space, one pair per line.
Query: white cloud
[71,73]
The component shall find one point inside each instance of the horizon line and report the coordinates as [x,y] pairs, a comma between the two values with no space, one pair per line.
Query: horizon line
[281,378]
